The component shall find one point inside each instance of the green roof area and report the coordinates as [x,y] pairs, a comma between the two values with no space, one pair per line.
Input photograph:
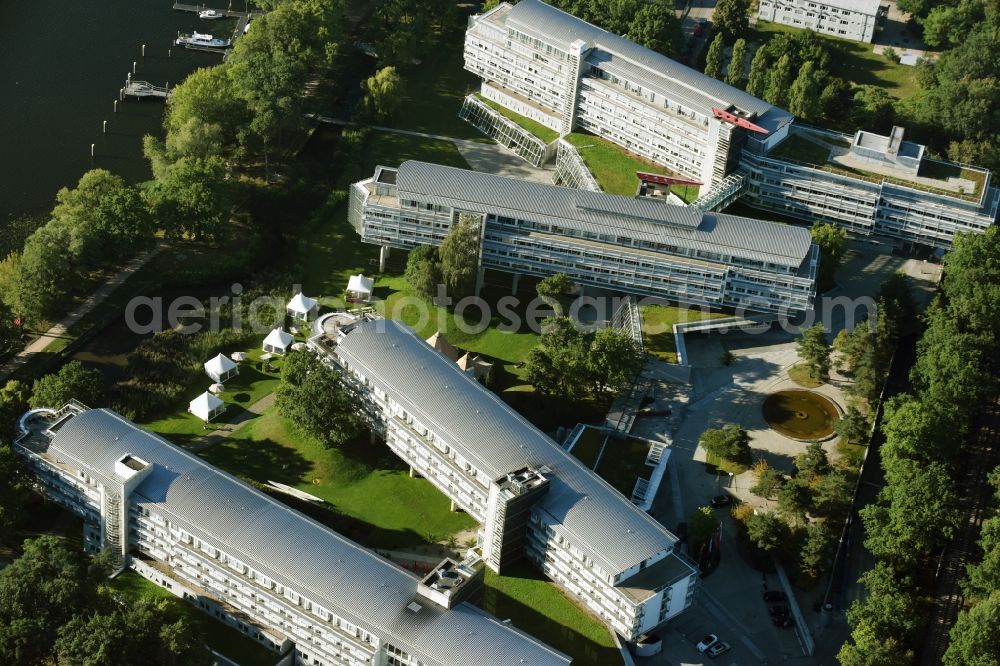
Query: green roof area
[658,327]
[623,462]
[815,152]
[614,167]
[539,130]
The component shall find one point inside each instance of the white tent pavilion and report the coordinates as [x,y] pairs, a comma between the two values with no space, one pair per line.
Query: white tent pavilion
[278,341]
[238,356]
[221,368]
[302,307]
[216,388]
[360,287]
[207,406]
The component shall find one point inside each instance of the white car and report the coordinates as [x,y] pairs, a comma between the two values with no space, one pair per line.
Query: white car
[707,642]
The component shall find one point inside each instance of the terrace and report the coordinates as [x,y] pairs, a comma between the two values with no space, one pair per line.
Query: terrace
[839,154]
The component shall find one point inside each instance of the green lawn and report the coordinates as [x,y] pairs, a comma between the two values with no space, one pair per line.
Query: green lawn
[391,149]
[364,482]
[614,167]
[623,462]
[539,608]
[658,327]
[539,130]
[854,61]
[435,91]
[223,639]
[588,446]
[798,148]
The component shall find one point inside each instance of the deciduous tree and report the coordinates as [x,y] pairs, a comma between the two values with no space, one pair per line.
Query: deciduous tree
[459,255]
[312,395]
[423,270]
[766,531]
[737,63]
[73,381]
[383,94]
[728,443]
[732,18]
[815,351]
[715,57]
[656,26]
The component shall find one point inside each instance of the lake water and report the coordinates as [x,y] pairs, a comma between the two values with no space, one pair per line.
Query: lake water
[62,63]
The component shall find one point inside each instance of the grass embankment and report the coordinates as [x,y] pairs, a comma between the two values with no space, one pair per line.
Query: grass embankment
[221,638]
[658,327]
[364,481]
[803,376]
[855,62]
[534,127]
[539,608]
[615,168]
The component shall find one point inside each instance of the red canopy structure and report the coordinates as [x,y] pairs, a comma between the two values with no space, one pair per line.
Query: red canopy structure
[665,180]
[736,120]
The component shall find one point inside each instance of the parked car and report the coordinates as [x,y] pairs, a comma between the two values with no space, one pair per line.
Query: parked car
[778,610]
[774,595]
[707,642]
[720,501]
[717,650]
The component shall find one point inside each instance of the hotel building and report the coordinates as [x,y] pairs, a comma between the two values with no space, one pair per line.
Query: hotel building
[284,580]
[566,74]
[533,499]
[640,245]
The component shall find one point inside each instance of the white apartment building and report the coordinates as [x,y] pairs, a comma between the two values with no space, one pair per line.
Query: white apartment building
[532,498]
[565,73]
[284,580]
[639,245]
[847,19]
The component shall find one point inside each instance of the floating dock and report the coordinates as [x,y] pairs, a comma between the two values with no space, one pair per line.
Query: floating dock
[145,89]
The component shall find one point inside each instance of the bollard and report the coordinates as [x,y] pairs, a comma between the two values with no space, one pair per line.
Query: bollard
[133,66]
[104,129]
[92,150]
[143,50]
[169,53]
[116,106]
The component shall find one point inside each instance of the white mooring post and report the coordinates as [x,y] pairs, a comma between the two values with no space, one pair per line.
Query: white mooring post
[92,150]
[143,50]
[116,106]
[133,66]
[104,129]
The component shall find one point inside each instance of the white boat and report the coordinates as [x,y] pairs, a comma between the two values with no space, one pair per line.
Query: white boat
[211,14]
[201,40]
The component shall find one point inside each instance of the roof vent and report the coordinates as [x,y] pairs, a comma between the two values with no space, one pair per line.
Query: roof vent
[415,607]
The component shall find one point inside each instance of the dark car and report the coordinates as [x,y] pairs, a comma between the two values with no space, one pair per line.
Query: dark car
[778,610]
[774,595]
[720,501]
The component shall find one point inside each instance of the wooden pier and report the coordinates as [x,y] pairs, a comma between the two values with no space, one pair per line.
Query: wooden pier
[243,21]
[195,9]
[145,89]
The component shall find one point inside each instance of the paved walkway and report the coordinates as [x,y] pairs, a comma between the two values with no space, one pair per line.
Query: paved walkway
[483,157]
[227,429]
[60,329]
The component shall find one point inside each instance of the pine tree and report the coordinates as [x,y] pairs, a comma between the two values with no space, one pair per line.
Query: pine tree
[737,62]
[714,58]
[804,95]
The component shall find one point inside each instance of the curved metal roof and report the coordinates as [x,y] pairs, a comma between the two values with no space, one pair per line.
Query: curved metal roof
[292,549]
[640,218]
[497,440]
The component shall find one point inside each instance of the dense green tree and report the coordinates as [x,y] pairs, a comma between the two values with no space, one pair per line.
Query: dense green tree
[47,273]
[974,636]
[832,493]
[916,512]
[16,230]
[914,429]
[793,500]
[655,25]
[313,397]
[423,270]
[383,94]
[206,96]
[613,361]
[737,63]
[853,426]
[766,531]
[193,199]
[832,242]
[872,109]
[715,57]
[778,81]
[769,481]
[459,255]
[812,462]
[728,443]
[10,334]
[195,138]
[760,71]
[972,281]
[815,351]
[73,381]
[817,549]
[804,95]
[552,288]
[15,489]
[732,18]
